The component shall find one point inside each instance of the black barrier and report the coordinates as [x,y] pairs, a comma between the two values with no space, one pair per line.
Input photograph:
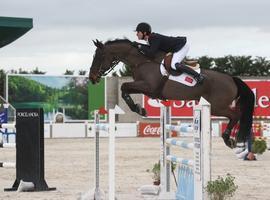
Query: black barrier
[30,149]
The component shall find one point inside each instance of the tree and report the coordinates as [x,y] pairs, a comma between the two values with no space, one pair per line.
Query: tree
[13,71]
[69,72]
[206,62]
[82,72]
[36,71]
[221,65]
[21,71]
[260,67]
[2,81]
[240,65]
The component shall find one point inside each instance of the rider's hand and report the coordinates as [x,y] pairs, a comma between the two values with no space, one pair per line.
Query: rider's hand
[136,44]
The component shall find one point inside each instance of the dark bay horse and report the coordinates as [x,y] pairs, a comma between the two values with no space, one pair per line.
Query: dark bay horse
[219,89]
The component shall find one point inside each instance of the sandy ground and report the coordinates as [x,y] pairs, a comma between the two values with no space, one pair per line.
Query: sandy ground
[69,166]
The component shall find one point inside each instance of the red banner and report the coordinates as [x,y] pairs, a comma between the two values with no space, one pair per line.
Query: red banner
[256,129]
[261,89]
[151,130]
[184,109]
[180,109]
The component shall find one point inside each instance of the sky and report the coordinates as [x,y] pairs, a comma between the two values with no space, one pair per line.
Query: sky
[64,29]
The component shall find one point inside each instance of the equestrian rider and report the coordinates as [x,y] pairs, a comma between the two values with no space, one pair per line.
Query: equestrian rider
[177,45]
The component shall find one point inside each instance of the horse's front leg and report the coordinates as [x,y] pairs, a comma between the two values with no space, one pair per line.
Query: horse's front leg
[135,87]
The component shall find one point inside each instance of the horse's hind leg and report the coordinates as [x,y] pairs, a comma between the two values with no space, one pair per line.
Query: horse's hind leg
[234,117]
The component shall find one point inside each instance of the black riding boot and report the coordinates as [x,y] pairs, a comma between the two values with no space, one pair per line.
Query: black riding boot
[183,68]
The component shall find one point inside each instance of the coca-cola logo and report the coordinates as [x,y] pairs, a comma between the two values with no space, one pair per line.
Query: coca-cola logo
[150,130]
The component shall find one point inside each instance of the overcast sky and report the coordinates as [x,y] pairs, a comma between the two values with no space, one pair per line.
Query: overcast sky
[63,29]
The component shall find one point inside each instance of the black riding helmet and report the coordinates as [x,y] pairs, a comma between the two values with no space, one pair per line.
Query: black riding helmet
[144,27]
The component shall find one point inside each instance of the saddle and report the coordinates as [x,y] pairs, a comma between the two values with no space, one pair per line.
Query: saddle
[170,71]
[193,64]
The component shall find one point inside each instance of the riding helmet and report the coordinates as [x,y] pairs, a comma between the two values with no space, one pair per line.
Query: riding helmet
[144,27]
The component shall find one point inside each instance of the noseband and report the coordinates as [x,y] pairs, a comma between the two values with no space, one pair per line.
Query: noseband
[103,72]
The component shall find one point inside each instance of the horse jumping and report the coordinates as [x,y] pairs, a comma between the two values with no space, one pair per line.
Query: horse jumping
[219,89]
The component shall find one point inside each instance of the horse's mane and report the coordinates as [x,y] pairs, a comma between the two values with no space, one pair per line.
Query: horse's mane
[125,40]
[159,57]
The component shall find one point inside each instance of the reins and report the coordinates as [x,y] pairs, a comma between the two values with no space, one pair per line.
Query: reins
[114,63]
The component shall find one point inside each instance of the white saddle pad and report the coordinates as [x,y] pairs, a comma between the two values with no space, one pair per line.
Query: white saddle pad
[183,78]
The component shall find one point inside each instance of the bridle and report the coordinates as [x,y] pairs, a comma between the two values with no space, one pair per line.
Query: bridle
[103,72]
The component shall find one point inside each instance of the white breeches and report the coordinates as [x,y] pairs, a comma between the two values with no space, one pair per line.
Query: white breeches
[179,55]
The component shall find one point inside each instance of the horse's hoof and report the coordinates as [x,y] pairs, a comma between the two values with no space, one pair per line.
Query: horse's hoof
[229,141]
[232,143]
[141,111]
[144,113]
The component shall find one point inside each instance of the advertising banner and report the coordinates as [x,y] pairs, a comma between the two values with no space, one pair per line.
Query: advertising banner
[151,130]
[96,98]
[261,89]
[67,95]
[257,129]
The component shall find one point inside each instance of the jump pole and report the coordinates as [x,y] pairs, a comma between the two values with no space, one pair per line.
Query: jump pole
[165,167]
[202,148]
[111,154]
[111,129]
[201,151]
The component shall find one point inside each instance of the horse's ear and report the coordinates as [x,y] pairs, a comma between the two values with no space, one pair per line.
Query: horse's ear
[99,44]
[94,43]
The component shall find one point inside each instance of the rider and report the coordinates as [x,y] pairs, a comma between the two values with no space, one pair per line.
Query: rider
[177,45]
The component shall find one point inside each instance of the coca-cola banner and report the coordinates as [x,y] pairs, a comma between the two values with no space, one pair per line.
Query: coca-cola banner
[150,130]
[184,109]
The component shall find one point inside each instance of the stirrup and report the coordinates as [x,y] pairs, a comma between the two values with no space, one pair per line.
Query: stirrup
[177,65]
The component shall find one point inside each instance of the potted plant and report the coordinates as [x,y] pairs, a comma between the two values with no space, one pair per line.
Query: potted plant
[259,145]
[156,173]
[221,189]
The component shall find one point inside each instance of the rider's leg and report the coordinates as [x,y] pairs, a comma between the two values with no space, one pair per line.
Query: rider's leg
[178,65]
[179,56]
[183,68]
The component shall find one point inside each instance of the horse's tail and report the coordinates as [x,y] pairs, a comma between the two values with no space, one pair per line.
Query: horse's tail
[246,101]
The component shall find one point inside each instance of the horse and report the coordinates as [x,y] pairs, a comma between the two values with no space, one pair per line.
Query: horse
[219,89]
